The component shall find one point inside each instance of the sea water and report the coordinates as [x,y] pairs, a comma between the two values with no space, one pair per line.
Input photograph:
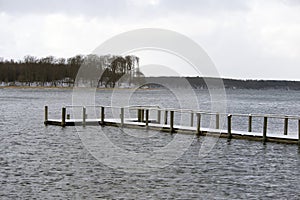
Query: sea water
[38,161]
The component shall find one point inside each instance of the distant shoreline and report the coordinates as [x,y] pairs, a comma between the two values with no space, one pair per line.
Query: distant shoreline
[33,87]
[67,88]
[195,82]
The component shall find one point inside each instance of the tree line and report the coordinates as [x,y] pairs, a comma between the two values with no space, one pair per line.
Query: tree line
[51,71]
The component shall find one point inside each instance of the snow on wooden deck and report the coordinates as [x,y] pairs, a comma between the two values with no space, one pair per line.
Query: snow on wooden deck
[133,122]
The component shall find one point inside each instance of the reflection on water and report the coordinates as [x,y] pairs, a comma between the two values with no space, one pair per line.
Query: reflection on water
[51,162]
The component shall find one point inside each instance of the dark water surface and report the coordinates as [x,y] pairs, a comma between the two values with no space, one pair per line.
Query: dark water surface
[38,162]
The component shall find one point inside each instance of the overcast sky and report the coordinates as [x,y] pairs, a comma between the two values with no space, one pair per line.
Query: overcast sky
[248,39]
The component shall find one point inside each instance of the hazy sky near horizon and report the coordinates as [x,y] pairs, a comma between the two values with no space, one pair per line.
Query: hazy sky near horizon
[246,39]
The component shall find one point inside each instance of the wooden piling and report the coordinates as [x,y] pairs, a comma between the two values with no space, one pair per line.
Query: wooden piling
[229,127]
[166,117]
[265,130]
[83,116]
[147,118]
[299,132]
[122,117]
[63,117]
[286,125]
[171,121]
[102,115]
[46,115]
[158,116]
[198,123]
[142,115]
[192,119]
[139,115]
[217,121]
[250,123]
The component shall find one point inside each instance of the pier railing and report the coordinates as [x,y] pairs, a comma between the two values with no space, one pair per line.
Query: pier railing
[166,118]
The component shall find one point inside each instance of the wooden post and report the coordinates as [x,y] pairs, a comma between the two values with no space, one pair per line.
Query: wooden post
[122,117]
[102,115]
[217,121]
[286,125]
[171,121]
[265,130]
[192,119]
[139,112]
[250,123]
[63,117]
[229,127]
[46,115]
[158,116]
[147,118]
[142,115]
[83,116]
[299,132]
[198,123]
[166,117]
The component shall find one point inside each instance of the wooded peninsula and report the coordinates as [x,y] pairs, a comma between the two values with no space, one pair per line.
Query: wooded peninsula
[115,70]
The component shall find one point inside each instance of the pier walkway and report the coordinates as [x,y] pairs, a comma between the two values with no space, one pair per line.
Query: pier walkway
[166,120]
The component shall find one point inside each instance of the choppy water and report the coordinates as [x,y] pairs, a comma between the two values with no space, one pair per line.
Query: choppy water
[38,162]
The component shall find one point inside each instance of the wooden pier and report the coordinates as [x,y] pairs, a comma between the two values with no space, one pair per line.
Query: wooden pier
[143,120]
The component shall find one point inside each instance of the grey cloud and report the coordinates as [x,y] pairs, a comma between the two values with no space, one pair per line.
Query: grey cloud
[84,7]
[291,2]
[119,7]
[206,6]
